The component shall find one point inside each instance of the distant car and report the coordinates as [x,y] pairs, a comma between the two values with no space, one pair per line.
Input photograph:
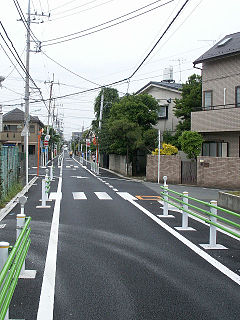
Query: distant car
[70,154]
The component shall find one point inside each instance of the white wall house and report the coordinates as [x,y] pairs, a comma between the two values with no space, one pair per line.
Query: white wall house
[165,92]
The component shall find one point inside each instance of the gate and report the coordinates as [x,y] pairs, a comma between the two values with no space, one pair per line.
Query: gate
[189,172]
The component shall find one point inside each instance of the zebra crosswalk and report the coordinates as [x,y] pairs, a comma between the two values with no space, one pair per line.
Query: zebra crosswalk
[99,195]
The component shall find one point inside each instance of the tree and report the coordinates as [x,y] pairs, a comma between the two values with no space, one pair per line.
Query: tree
[130,124]
[191,143]
[191,101]
[110,96]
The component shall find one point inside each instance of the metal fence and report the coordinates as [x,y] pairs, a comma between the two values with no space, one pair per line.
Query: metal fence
[9,168]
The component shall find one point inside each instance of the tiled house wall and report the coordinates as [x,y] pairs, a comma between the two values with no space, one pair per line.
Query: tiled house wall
[170,166]
[221,173]
[219,74]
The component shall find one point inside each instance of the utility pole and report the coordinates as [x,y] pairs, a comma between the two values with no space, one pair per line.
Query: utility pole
[100,122]
[159,146]
[27,93]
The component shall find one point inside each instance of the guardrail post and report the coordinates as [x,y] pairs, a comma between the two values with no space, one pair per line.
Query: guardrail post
[213,230]
[20,224]
[51,173]
[185,226]
[165,204]
[45,190]
[4,247]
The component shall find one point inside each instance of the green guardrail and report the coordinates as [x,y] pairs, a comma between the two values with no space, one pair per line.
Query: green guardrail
[166,192]
[12,268]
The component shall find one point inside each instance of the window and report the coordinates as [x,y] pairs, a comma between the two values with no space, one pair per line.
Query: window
[237,96]
[207,99]
[31,149]
[163,112]
[10,127]
[32,128]
[215,149]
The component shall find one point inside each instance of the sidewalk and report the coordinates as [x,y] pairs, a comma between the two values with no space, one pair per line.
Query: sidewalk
[201,193]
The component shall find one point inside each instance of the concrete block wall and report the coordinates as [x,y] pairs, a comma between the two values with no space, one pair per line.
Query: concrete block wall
[170,166]
[118,164]
[221,173]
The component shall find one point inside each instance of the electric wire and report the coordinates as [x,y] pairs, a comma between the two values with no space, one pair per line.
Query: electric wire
[63,5]
[72,14]
[163,34]
[18,59]
[82,5]
[103,28]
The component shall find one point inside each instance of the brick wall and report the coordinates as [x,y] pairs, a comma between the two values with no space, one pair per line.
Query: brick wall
[221,173]
[170,166]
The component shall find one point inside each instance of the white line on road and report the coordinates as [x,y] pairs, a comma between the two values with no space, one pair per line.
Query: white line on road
[103,196]
[218,265]
[79,196]
[46,303]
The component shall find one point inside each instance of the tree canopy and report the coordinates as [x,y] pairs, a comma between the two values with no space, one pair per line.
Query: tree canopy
[110,96]
[191,143]
[130,123]
[191,100]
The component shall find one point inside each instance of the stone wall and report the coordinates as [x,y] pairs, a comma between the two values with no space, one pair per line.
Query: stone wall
[118,164]
[221,173]
[170,166]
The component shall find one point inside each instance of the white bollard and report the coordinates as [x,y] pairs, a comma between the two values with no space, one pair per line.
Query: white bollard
[4,247]
[51,173]
[185,226]
[185,207]
[165,197]
[165,181]
[44,198]
[213,229]
[20,224]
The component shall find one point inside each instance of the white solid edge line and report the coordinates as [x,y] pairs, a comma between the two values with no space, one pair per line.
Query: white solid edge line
[218,265]
[46,303]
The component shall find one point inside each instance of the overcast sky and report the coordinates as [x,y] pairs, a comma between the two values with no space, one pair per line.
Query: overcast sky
[109,55]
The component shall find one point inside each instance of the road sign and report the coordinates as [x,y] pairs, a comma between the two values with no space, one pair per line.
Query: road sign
[88,142]
[45,143]
[47,137]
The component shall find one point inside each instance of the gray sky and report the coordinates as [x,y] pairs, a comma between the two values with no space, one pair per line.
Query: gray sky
[109,55]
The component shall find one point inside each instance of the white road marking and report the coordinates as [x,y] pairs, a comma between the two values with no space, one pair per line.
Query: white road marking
[103,196]
[127,196]
[68,167]
[79,177]
[115,189]
[55,195]
[2,226]
[218,265]
[79,196]
[46,303]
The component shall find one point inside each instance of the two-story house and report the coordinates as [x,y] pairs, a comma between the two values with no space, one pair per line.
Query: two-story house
[219,119]
[12,124]
[165,92]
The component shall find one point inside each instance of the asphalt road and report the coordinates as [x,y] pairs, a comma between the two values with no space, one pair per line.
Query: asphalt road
[115,259]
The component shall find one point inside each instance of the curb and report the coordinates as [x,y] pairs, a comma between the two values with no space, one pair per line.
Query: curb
[12,203]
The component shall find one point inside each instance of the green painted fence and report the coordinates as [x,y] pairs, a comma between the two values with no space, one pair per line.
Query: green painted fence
[9,168]
[12,268]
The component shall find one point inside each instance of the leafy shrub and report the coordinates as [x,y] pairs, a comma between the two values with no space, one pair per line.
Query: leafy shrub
[167,149]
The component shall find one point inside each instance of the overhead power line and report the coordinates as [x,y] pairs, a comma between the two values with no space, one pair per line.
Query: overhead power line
[102,24]
[72,14]
[163,34]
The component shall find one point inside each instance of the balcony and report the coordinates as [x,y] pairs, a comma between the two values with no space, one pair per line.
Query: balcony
[11,137]
[216,120]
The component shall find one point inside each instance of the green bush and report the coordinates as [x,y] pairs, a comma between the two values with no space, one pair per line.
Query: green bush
[191,143]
